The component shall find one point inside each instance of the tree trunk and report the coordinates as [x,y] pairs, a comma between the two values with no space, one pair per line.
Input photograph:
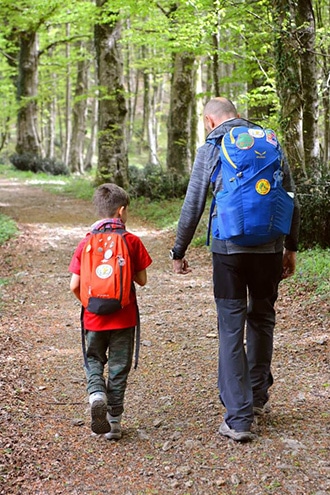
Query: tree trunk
[50,153]
[90,153]
[323,20]
[28,140]
[179,157]
[112,144]
[326,111]
[289,86]
[151,121]
[200,130]
[309,74]
[68,123]
[76,161]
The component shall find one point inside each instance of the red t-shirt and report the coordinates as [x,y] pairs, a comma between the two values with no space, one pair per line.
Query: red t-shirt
[126,317]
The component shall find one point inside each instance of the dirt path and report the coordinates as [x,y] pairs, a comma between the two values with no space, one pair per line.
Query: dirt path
[170,443]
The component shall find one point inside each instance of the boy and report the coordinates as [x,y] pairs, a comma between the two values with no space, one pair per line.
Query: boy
[110,333]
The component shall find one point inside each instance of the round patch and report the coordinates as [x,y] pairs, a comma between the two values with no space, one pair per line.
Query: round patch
[108,254]
[104,271]
[256,133]
[262,187]
[244,141]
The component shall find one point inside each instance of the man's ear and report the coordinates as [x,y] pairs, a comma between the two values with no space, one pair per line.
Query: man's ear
[210,122]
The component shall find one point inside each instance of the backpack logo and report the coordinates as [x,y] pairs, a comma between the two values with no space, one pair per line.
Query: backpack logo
[252,208]
[260,154]
[106,277]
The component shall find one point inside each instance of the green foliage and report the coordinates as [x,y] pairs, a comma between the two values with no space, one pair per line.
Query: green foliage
[34,163]
[314,199]
[313,271]
[153,183]
[160,214]
[79,187]
[8,228]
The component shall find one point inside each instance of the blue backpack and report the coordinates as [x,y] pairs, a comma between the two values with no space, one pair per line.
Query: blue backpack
[252,208]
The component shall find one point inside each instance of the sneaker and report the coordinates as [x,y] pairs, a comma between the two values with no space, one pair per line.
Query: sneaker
[238,436]
[98,402]
[261,410]
[115,432]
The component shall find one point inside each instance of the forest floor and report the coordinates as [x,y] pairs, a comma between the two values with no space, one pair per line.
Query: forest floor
[171,443]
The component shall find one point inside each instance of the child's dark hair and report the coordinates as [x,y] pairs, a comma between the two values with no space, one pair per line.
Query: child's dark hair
[108,198]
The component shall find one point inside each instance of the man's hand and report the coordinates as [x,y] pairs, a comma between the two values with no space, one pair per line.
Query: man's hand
[181,266]
[288,263]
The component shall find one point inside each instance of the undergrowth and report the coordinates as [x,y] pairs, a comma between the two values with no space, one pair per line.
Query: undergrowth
[313,271]
[8,228]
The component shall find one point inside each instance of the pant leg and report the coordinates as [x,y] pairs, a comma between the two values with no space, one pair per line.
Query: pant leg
[263,286]
[97,345]
[121,346]
[233,374]
[259,340]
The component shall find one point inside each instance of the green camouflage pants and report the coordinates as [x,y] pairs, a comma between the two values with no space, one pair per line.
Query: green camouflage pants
[114,347]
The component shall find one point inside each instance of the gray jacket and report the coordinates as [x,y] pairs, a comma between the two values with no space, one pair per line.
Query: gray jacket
[196,196]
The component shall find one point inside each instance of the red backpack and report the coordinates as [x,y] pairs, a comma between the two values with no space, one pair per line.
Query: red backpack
[106,276]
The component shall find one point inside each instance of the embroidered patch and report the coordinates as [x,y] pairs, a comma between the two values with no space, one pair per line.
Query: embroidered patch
[271,137]
[244,141]
[104,271]
[263,187]
[256,133]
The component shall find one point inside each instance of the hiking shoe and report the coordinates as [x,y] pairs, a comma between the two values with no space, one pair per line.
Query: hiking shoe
[98,402]
[238,436]
[261,410]
[115,433]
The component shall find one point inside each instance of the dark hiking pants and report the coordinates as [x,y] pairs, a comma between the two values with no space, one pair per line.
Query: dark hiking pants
[245,291]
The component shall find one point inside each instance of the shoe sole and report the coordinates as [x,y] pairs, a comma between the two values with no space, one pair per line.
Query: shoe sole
[99,417]
[113,436]
[236,435]
[261,411]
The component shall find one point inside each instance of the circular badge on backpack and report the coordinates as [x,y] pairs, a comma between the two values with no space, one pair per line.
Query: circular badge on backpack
[104,271]
[244,141]
[256,133]
[108,254]
[263,187]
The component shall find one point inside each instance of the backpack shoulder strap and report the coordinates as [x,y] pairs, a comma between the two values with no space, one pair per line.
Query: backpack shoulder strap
[215,172]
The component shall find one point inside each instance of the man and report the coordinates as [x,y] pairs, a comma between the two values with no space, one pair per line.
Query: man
[244,375]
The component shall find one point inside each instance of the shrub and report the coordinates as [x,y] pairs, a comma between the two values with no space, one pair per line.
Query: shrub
[314,198]
[155,184]
[34,163]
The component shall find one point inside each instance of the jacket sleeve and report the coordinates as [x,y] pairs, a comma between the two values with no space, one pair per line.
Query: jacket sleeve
[291,240]
[195,199]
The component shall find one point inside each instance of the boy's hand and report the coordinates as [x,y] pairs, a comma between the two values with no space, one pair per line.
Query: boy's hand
[288,263]
[181,266]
